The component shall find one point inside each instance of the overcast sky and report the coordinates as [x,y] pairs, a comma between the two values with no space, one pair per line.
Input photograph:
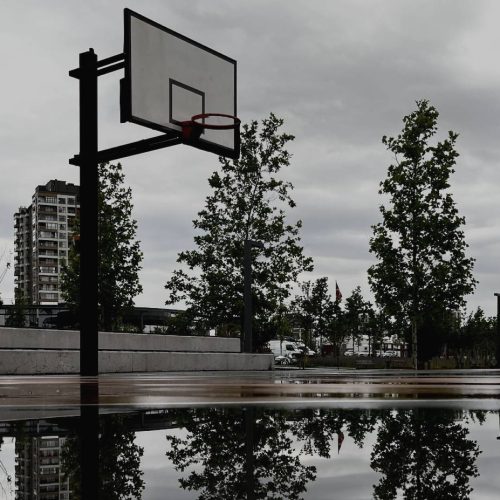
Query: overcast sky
[342,74]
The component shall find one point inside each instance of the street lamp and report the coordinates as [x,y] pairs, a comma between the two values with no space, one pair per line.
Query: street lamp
[497,295]
[247,293]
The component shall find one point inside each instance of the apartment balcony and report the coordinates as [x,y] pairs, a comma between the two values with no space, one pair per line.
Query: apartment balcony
[45,217]
[44,200]
[48,254]
[47,270]
[42,244]
[44,209]
[47,235]
[48,279]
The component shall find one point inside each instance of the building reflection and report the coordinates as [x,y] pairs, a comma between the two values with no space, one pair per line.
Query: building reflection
[38,469]
[246,453]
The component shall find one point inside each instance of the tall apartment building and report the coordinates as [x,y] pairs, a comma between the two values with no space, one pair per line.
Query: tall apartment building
[42,237]
[38,468]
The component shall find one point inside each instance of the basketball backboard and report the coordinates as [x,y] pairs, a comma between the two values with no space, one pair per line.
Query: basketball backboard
[169,78]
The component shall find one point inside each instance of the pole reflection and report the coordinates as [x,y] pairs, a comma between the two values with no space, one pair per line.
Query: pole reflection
[248,453]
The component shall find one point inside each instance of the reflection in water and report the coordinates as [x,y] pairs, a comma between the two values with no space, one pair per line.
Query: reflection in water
[250,453]
[421,453]
[38,468]
[119,458]
[245,453]
[424,453]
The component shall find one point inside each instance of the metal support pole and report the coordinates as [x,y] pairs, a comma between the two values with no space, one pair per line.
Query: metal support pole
[249,419]
[247,294]
[89,441]
[89,344]
[497,295]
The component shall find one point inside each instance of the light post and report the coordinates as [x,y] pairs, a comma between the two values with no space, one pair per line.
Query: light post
[247,293]
[497,295]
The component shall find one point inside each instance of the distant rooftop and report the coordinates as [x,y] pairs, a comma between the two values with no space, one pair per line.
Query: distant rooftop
[56,186]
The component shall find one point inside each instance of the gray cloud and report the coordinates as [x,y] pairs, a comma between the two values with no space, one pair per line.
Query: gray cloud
[342,74]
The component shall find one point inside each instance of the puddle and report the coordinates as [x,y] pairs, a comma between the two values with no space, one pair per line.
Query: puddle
[254,452]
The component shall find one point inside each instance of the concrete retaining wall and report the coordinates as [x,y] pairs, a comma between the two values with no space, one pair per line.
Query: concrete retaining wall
[29,352]
[25,338]
[26,362]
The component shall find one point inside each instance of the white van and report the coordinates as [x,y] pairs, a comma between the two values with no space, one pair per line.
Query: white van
[285,349]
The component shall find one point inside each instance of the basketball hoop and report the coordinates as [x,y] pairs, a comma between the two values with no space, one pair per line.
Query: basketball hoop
[192,129]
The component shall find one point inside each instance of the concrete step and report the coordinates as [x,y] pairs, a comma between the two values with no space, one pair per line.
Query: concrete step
[61,361]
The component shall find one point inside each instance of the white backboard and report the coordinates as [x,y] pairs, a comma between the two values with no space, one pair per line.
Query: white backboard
[169,78]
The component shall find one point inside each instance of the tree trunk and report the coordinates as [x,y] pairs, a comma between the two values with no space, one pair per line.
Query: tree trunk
[414,343]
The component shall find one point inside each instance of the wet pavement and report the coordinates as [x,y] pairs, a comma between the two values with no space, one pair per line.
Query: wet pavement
[289,433]
[281,387]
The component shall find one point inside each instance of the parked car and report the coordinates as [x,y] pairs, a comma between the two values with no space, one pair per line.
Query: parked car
[349,352]
[389,354]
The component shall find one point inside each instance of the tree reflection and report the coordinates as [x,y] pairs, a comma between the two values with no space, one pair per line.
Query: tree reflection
[317,428]
[259,453]
[424,453]
[238,454]
[120,476]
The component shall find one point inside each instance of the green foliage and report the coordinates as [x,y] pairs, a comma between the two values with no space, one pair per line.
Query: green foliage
[313,308]
[337,328]
[120,477]
[119,252]
[17,315]
[424,454]
[282,323]
[418,453]
[180,323]
[358,314]
[248,201]
[238,454]
[423,271]
[475,340]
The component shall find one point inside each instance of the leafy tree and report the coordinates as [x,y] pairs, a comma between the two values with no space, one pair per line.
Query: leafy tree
[336,328]
[423,272]
[282,322]
[358,315]
[119,252]
[424,454]
[120,477]
[475,340]
[248,201]
[17,314]
[313,308]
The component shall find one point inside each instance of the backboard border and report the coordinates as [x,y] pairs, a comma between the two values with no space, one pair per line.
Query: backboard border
[126,104]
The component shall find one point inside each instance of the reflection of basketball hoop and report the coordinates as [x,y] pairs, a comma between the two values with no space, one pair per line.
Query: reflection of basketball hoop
[192,129]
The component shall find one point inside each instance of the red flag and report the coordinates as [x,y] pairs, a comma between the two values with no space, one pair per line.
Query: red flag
[338,295]
[340,436]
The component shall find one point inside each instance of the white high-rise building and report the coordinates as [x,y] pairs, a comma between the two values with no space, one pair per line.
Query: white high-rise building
[42,238]
[39,469]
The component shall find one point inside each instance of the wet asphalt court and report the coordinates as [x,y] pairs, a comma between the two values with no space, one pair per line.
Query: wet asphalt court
[29,396]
